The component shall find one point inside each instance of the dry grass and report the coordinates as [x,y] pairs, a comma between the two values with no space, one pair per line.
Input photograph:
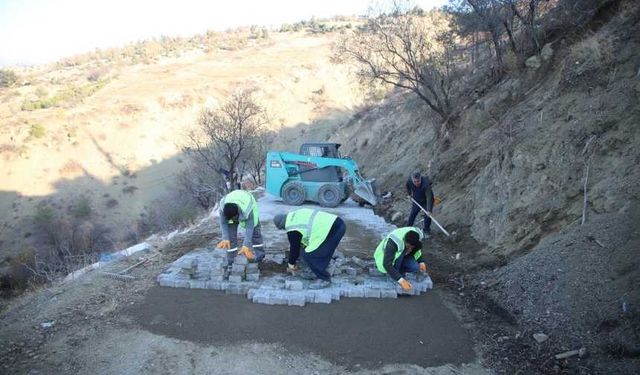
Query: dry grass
[586,58]
[71,168]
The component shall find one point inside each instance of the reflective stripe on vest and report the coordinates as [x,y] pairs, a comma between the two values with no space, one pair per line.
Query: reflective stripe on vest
[314,225]
[246,205]
[397,236]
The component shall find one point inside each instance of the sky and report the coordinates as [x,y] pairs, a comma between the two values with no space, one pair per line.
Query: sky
[41,31]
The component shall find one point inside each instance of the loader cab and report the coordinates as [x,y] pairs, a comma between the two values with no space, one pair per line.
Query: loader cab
[322,150]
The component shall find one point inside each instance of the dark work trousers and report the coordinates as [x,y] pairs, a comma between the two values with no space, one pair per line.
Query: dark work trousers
[256,239]
[406,263]
[318,260]
[414,213]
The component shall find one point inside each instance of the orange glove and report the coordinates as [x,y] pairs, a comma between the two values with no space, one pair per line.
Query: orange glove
[224,244]
[423,267]
[246,252]
[406,286]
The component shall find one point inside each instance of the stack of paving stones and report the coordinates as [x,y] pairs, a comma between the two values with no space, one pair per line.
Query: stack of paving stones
[208,268]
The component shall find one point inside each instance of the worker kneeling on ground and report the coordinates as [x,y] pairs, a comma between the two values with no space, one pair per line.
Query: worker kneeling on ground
[319,232]
[399,252]
[239,207]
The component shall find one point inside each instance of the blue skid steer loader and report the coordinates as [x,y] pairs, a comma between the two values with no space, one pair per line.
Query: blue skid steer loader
[317,174]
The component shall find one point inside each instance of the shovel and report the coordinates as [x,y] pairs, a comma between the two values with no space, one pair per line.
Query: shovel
[430,217]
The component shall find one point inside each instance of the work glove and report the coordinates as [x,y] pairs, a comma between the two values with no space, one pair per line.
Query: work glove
[247,252]
[224,244]
[423,267]
[292,269]
[406,286]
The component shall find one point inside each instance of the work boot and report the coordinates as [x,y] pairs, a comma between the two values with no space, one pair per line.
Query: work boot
[320,284]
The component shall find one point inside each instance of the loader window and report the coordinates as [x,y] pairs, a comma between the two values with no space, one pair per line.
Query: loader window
[315,151]
[322,151]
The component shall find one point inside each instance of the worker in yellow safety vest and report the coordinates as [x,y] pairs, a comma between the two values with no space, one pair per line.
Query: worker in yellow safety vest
[239,208]
[319,233]
[399,252]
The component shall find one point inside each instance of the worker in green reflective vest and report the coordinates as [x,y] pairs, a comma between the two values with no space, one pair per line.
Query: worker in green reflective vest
[319,233]
[239,208]
[400,252]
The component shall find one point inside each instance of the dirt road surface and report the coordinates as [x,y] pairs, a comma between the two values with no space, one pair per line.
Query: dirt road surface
[100,325]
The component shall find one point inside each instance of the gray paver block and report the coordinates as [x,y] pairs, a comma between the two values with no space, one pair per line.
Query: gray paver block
[167,282]
[252,267]
[251,292]
[293,284]
[310,296]
[410,276]
[350,271]
[216,271]
[252,277]
[182,284]
[261,298]
[240,259]
[236,289]
[197,284]
[237,268]
[323,296]
[373,271]
[220,255]
[388,293]
[335,293]
[275,298]
[358,261]
[215,285]
[371,293]
[297,299]
[355,291]
[235,278]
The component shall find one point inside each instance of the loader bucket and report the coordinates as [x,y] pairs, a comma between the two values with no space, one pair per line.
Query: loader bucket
[365,190]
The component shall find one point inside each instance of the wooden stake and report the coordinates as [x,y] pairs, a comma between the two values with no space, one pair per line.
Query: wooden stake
[584,203]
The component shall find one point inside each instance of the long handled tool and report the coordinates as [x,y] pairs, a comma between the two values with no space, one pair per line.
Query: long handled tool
[430,216]
[236,248]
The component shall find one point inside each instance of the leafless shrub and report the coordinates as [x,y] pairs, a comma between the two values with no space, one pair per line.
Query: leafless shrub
[97,73]
[129,109]
[130,189]
[224,137]
[585,58]
[71,167]
[408,50]
[63,244]
[171,212]
[111,203]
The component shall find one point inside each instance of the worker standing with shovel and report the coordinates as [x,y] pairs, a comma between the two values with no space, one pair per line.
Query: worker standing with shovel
[419,190]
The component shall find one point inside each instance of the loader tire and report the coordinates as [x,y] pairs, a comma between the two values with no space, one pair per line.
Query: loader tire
[293,194]
[329,195]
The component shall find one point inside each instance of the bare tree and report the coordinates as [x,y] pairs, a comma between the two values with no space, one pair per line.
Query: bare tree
[509,23]
[405,49]
[527,13]
[257,155]
[223,138]
[202,184]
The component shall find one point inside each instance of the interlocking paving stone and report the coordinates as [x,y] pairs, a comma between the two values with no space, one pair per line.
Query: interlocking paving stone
[205,268]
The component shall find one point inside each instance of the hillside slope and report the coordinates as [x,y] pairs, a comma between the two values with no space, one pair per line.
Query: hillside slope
[117,140]
[512,175]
